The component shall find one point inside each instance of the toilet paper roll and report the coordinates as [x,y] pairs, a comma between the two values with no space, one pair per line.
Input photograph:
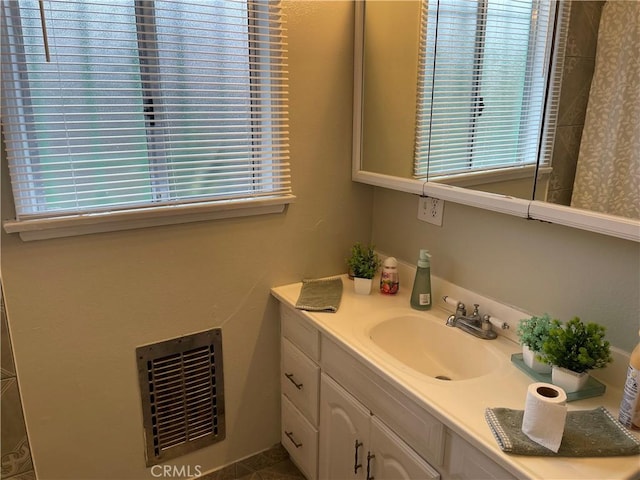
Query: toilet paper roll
[545,412]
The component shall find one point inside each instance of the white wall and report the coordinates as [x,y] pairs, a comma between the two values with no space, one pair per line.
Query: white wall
[78,307]
[538,267]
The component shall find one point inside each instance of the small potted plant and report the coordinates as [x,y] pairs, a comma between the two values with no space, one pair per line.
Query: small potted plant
[532,333]
[363,265]
[573,350]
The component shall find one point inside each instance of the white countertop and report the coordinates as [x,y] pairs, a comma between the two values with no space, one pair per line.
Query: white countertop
[461,405]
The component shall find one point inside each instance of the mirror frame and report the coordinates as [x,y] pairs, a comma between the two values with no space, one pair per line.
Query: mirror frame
[615,226]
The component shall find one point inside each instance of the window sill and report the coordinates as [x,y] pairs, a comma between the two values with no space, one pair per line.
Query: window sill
[471,179]
[73,225]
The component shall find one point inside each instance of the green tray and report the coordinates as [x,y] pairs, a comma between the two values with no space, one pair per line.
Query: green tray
[593,388]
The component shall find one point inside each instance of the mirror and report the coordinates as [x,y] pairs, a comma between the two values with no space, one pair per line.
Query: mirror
[391,58]
[386,71]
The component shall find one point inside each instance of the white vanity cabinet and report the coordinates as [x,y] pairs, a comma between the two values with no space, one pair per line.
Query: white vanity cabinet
[355,444]
[342,420]
[343,398]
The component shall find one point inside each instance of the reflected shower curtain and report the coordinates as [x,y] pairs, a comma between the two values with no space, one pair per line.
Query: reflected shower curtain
[608,171]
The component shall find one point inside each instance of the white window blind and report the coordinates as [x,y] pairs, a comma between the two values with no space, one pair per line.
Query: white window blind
[143,103]
[484,79]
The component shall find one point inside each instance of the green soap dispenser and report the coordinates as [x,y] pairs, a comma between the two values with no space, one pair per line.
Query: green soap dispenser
[421,294]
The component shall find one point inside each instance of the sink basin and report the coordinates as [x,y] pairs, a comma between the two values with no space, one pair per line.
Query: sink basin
[431,348]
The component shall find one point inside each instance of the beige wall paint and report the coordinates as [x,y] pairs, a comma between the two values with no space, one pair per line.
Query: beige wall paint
[79,306]
[538,267]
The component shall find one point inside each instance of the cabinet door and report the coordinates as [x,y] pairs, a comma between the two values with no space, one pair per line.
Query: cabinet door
[344,433]
[394,459]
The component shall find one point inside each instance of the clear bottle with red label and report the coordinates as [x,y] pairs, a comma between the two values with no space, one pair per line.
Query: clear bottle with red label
[389,280]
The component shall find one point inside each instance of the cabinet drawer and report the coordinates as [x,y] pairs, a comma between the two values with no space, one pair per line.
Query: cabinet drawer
[300,439]
[299,380]
[297,329]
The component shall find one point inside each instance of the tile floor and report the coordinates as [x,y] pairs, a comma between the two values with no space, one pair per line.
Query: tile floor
[272,464]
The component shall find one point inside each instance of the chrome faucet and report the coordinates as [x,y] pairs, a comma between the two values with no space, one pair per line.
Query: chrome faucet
[475,324]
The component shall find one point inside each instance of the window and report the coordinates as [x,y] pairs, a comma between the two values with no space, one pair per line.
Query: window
[483,86]
[143,104]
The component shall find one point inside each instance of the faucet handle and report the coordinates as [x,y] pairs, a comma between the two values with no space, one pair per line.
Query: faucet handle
[460,308]
[495,322]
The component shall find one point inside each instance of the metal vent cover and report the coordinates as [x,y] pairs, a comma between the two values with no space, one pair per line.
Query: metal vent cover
[182,390]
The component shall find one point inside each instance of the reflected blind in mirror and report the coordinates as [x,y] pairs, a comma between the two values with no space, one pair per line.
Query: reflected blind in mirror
[143,103]
[487,87]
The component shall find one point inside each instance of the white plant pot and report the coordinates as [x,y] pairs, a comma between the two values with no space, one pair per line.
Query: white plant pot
[529,358]
[362,285]
[568,380]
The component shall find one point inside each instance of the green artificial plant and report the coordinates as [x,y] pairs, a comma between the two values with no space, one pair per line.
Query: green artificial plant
[576,346]
[533,331]
[364,261]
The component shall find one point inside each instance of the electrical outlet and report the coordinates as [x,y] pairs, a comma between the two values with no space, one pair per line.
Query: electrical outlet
[431,210]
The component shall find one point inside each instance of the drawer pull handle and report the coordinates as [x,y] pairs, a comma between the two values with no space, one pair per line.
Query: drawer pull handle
[369,458]
[290,377]
[290,436]
[357,465]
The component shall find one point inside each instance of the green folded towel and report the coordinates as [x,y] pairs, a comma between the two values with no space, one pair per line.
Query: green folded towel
[322,295]
[587,433]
